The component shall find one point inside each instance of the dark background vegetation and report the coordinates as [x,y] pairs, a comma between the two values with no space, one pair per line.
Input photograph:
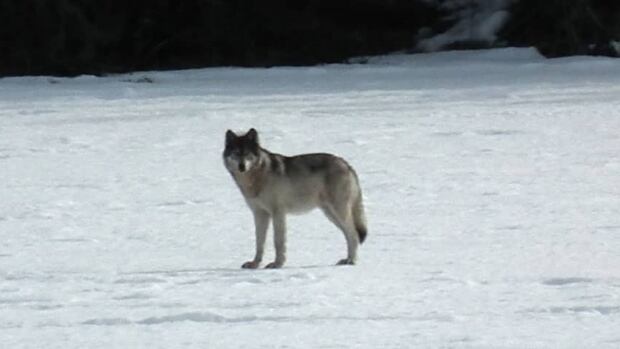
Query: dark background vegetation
[565,27]
[70,37]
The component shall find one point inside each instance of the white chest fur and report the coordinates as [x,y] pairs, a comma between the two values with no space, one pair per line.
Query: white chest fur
[250,183]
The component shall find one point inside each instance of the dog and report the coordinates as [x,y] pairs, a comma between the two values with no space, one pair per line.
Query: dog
[275,185]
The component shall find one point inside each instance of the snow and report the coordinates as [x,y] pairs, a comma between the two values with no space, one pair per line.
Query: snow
[616,46]
[475,21]
[490,181]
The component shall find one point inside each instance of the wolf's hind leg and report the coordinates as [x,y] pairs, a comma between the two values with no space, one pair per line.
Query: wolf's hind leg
[344,221]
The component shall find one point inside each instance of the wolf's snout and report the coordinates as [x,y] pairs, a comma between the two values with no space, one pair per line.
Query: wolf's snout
[241,167]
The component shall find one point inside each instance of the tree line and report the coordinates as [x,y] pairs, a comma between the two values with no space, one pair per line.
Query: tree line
[71,37]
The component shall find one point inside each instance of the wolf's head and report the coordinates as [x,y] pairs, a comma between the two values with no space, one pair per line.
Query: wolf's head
[242,153]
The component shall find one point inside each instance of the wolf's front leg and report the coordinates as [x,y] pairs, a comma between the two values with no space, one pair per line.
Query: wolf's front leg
[279,239]
[261,224]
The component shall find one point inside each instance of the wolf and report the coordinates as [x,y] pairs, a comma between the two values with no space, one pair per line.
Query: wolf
[274,185]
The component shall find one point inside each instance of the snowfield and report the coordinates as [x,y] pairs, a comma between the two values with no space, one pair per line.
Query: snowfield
[491,183]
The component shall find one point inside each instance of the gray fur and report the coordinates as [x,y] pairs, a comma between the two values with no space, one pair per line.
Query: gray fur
[275,185]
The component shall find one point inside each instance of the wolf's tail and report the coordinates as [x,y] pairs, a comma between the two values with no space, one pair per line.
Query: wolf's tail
[359,219]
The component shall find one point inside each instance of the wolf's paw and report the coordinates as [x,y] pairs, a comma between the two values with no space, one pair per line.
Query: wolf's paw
[274,265]
[250,265]
[346,261]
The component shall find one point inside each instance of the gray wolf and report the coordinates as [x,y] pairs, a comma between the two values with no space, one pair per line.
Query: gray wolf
[275,185]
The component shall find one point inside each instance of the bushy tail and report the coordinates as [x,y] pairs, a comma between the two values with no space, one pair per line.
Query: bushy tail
[359,219]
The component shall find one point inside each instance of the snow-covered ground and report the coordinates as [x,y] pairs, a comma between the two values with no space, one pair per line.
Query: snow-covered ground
[492,188]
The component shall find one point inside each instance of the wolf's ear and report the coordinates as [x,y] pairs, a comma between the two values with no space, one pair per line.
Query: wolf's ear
[252,135]
[230,136]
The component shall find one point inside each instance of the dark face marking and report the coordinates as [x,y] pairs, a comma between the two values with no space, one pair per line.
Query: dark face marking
[241,146]
[242,152]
